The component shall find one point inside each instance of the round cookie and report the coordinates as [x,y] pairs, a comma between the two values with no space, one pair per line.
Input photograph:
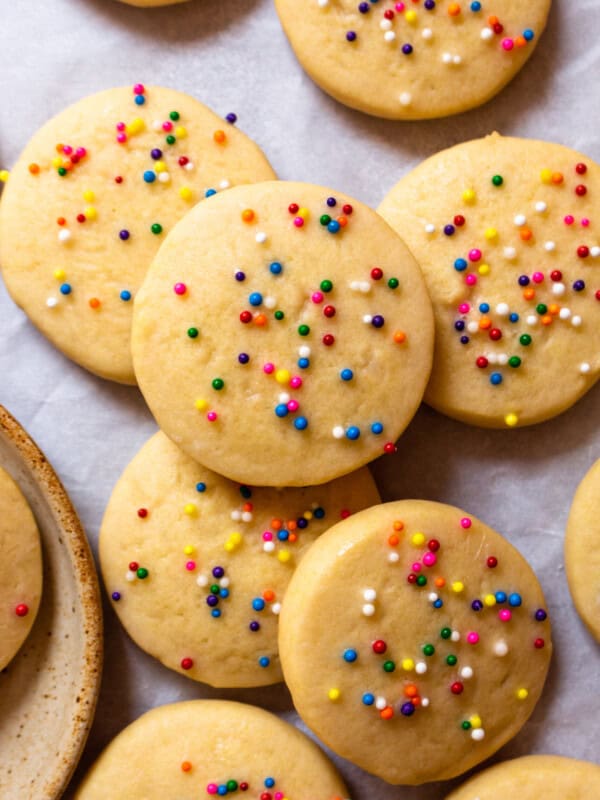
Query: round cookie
[20,569]
[211,747]
[413,60]
[284,335]
[197,566]
[506,233]
[582,550]
[414,628]
[91,198]
[533,777]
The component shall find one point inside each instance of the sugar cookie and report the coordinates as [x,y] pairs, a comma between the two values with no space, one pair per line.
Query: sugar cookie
[197,566]
[283,336]
[532,778]
[91,198]
[211,747]
[20,569]
[413,60]
[506,233]
[582,550]
[412,628]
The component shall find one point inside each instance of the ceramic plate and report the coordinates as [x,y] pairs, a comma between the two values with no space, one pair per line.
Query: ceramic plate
[48,692]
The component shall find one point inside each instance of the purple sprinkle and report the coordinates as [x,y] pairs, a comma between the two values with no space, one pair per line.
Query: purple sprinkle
[254,626]
[331,202]
[301,523]
[117,596]
[240,276]
[218,572]
[124,235]
[407,709]
[540,615]
[476,605]
[429,5]
[407,49]
[212,600]
[579,286]
[459,325]
[449,230]
[523,280]
[377,321]
[156,153]
[363,8]
[231,118]
[351,36]
[464,340]
[243,358]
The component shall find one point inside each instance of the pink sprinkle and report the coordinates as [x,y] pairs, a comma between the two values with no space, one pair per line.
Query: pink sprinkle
[537,277]
[67,149]
[416,567]
[167,126]
[298,222]
[190,566]
[180,288]
[585,222]
[471,280]
[120,126]
[268,368]
[400,6]
[317,297]
[465,522]
[293,405]
[507,44]
[296,382]
[267,536]
[81,152]
[472,637]
[139,88]
[278,795]
[569,219]
[474,255]
[505,615]
[464,308]
[121,138]
[211,416]
[429,559]
[212,788]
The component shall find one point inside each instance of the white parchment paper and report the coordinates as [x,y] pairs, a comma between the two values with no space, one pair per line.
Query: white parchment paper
[233,56]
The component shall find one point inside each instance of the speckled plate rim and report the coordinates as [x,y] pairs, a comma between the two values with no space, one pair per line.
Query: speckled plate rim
[85,576]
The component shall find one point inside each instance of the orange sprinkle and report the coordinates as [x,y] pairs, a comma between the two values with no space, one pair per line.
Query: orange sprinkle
[399,337]
[386,713]
[520,41]
[454,9]
[293,537]
[553,309]
[247,507]
[529,294]
[546,319]
[493,21]
[61,221]
[94,302]
[440,583]
[416,701]
[269,595]
[260,319]
[342,220]
[276,524]
[410,690]
[59,147]
[186,766]
[526,234]
[485,323]
[398,525]
[34,169]
[557,178]
[219,137]
[292,525]
[393,540]
[248,215]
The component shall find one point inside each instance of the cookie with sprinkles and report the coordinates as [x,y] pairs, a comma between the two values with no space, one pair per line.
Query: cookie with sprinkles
[202,748]
[91,198]
[507,233]
[197,566]
[284,335]
[582,550]
[533,777]
[414,640]
[20,569]
[414,59]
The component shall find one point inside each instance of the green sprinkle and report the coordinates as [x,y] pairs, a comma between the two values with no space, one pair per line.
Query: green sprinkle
[326,286]
[525,340]
[541,308]
[497,180]
[142,573]
[170,139]
[231,785]
[466,725]
[192,332]
[174,115]
[303,330]
[451,660]
[514,361]
[446,633]
[215,588]
[279,315]
[218,384]
[62,171]
[428,649]
[389,666]
[156,228]
[421,580]
[324,219]
[393,283]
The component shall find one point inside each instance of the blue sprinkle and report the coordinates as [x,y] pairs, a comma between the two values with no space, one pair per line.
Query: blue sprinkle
[377,428]
[495,378]
[258,604]
[333,226]
[65,288]
[283,535]
[368,699]
[528,34]
[125,296]
[281,410]
[501,597]
[222,790]
[476,6]
[319,513]
[149,176]
[460,264]
[514,317]
[216,612]
[264,661]
[303,363]
[210,192]
[484,308]
[346,374]
[276,268]
[140,100]
[515,600]
[438,603]
[350,655]
[224,593]
[255,299]
[201,487]
[353,432]
[300,423]
[269,783]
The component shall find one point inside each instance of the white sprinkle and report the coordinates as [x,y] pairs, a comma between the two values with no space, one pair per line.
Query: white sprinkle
[370,595]
[520,220]
[223,185]
[405,99]
[189,167]
[224,583]
[477,734]
[429,228]
[466,673]
[584,368]
[492,358]
[595,251]
[427,34]
[486,34]
[276,608]
[456,60]
[502,309]
[385,24]
[389,36]
[368,609]
[564,313]
[269,547]
[338,432]
[364,287]
[304,351]
[156,125]
[455,636]
[246,516]
[472,327]
[261,237]
[284,397]
[367,319]
[576,321]
[558,289]
[432,597]
[447,58]
[52,302]
[380,703]
[503,359]
[202,580]
[164,177]
[322,3]
[540,207]
[393,558]
[549,246]
[510,253]
[532,320]
[500,648]
[424,702]
[130,576]
[270,302]
[420,668]
[64,235]
[236,515]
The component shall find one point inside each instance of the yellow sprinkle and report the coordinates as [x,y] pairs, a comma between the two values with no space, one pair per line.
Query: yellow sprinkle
[160,166]
[334,694]
[282,375]
[307,515]
[458,586]
[475,721]
[3,175]
[57,161]
[522,694]
[186,193]
[489,600]
[189,549]
[284,556]
[135,126]
[411,16]
[417,539]
[180,132]
[490,233]
[484,269]
[59,274]
[469,196]
[546,176]
[229,546]
[235,537]
[511,420]
[303,212]
[201,405]
[90,212]
[190,509]
[408,664]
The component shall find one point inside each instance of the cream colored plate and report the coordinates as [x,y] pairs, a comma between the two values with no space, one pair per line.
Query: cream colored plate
[48,692]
